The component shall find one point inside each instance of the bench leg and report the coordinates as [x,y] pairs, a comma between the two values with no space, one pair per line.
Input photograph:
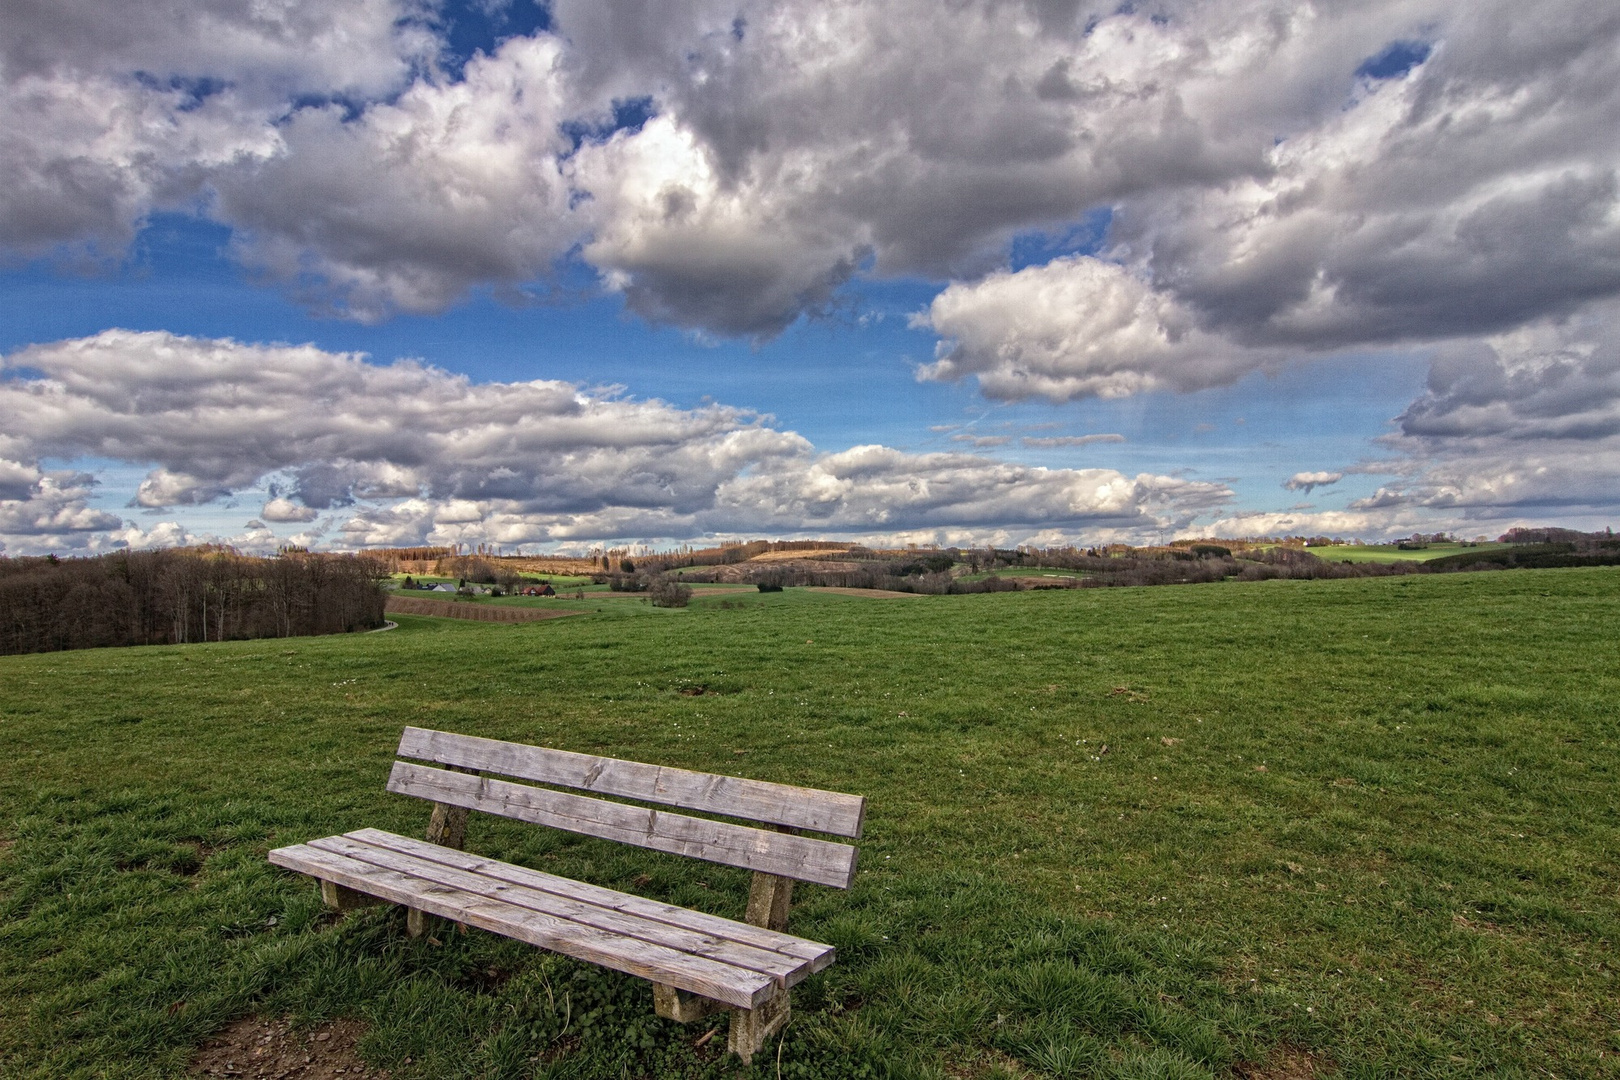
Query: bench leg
[680,1006]
[751,1027]
[769,898]
[342,898]
[447,826]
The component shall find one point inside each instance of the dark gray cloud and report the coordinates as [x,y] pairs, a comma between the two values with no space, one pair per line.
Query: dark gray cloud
[1545,382]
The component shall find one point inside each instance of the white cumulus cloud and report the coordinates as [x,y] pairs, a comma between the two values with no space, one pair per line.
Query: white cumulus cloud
[1307,481]
[409,453]
[1074,327]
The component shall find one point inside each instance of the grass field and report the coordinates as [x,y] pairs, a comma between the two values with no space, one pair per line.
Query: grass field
[1024,572]
[1390,553]
[1360,828]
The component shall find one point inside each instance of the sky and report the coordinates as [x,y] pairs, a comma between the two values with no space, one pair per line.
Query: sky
[353,273]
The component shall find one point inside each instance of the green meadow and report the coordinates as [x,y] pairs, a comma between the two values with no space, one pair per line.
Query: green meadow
[1359,828]
[1362,553]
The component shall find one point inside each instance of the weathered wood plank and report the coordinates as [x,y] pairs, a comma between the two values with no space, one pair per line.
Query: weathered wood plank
[757,800]
[818,955]
[787,970]
[735,986]
[801,857]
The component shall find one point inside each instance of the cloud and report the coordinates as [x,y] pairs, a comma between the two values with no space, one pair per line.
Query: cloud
[109,113]
[1074,327]
[1047,442]
[1514,429]
[690,246]
[1279,180]
[418,200]
[217,415]
[18,481]
[1554,380]
[415,454]
[360,47]
[51,508]
[1461,199]
[877,488]
[1527,420]
[1307,481]
[284,510]
[84,158]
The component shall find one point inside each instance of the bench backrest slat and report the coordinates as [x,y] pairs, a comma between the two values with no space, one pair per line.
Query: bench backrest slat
[732,796]
[803,858]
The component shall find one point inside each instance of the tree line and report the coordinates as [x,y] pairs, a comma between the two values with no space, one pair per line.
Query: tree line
[184,595]
[946,571]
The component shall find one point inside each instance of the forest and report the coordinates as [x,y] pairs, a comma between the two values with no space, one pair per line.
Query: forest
[182,595]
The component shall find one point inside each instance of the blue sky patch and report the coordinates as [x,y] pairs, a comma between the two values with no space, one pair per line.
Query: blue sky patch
[627,116]
[1397,58]
[480,27]
[1083,237]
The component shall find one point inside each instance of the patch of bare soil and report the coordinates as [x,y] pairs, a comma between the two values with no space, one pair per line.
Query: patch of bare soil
[1287,1063]
[1046,581]
[256,1048]
[870,594]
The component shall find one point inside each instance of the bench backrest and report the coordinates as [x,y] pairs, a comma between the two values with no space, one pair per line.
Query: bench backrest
[767,851]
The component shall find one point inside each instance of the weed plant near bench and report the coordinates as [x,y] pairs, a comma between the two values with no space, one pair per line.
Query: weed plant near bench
[1366,827]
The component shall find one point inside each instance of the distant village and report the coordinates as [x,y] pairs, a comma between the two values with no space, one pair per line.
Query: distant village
[542,588]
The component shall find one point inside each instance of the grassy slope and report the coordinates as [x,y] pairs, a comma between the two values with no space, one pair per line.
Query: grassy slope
[1421,882]
[1391,553]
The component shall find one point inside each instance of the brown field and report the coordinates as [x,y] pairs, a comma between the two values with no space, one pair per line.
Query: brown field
[697,590]
[449,609]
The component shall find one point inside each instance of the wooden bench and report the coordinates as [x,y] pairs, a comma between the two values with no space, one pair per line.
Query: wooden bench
[698,963]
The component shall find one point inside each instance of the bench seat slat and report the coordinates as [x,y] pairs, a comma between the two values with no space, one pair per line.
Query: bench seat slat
[695,974]
[816,954]
[757,800]
[787,970]
[801,857]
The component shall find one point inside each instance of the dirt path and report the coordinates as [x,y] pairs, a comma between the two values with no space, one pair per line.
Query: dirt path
[449,609]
